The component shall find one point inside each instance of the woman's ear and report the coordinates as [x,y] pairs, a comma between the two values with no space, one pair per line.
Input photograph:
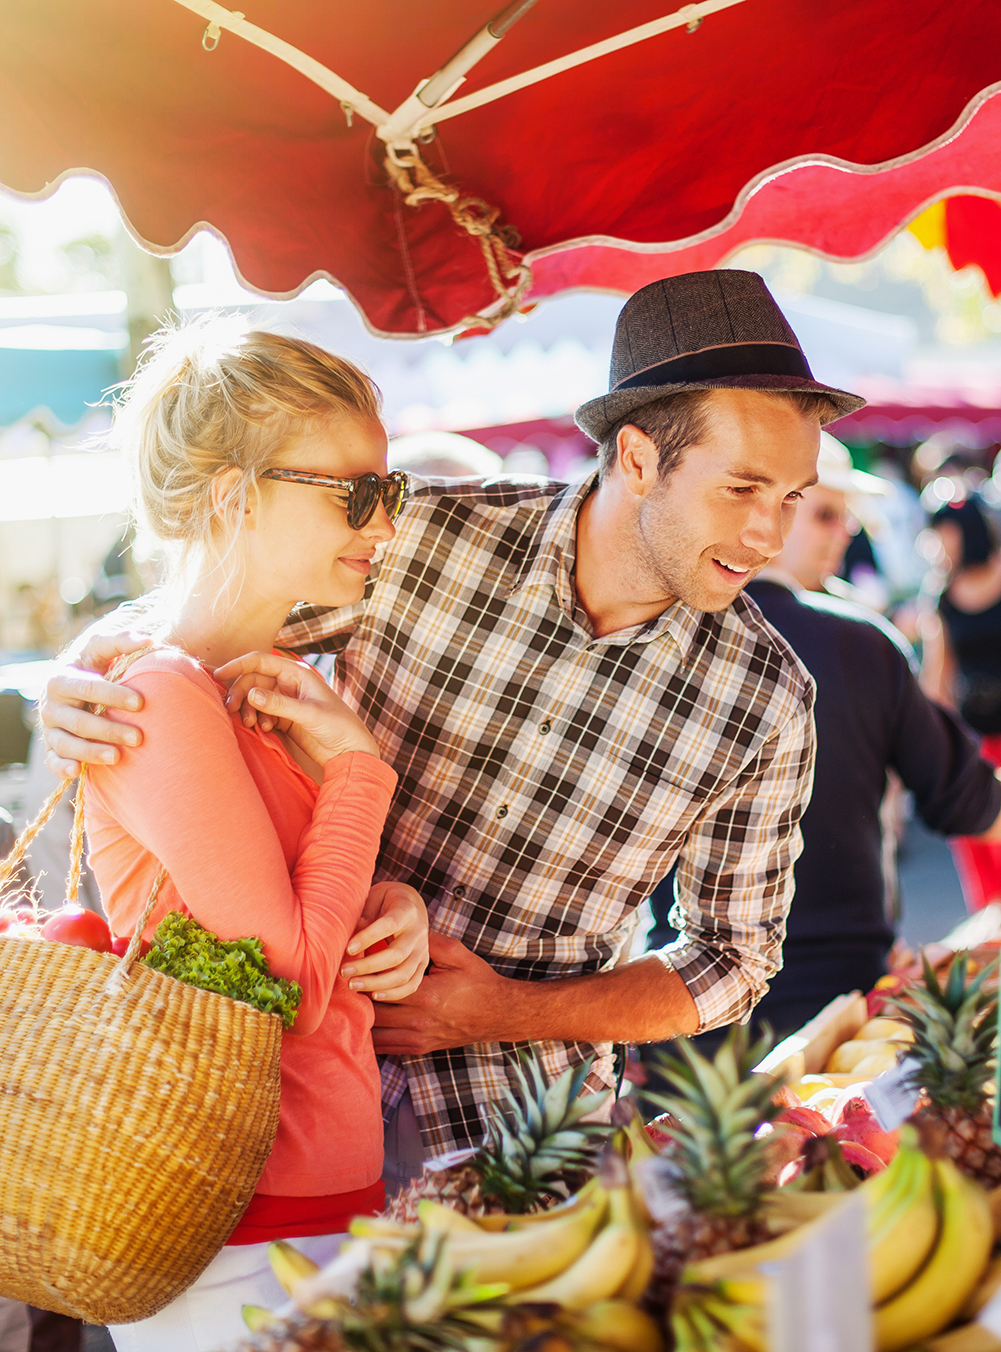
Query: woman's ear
[223,486]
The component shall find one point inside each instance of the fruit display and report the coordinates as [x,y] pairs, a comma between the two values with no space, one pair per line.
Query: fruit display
[929,1232]
[560,1234]
[841,1116]
[574,1274]
[536,1149]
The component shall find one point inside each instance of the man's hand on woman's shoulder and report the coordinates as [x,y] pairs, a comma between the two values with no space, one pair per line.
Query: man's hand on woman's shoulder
[72,733]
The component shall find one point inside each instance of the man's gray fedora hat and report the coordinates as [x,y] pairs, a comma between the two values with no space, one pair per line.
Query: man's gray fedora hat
[702,331]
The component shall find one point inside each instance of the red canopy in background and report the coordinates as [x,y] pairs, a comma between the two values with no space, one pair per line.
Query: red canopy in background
[821,207]
[652,144]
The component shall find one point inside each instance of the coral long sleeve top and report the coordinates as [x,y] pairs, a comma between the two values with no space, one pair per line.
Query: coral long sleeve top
[253,846]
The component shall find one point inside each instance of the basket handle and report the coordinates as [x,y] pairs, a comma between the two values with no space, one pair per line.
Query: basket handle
[9,866]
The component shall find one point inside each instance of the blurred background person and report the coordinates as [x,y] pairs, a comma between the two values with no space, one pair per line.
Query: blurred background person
[962,661]
[872,718]
[443,455]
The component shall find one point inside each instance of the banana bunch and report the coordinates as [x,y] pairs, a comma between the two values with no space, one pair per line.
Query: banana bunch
[929,1240]
[366,1301]
[594,1248]
[607,1326]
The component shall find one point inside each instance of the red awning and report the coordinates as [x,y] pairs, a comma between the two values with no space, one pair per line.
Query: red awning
[653,143]
[821,207]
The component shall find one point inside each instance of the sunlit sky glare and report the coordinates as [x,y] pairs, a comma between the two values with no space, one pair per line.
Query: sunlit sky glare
[83,205]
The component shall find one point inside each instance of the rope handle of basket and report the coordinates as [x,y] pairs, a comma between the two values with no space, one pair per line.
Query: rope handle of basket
[10,865]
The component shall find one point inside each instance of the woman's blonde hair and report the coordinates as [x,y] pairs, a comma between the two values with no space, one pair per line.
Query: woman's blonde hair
[213,396]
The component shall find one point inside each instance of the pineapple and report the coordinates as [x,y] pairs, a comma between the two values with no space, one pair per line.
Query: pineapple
[536,1150]
[408,1302]
[955,1046]
[705,1193]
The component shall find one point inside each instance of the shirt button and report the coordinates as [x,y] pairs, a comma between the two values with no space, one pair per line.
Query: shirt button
[545,727]
[458,892]
[502,811]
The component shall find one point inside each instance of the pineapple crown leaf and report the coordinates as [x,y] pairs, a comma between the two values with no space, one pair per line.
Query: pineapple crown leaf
[720,1105]
[958,1000]
[413,1300]
[954,1022]
[534,1134]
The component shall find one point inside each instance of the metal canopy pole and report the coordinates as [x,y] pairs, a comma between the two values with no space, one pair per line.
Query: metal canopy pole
[428,105]
[398,131]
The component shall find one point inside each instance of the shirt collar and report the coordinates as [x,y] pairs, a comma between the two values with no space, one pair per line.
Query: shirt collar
[549,562]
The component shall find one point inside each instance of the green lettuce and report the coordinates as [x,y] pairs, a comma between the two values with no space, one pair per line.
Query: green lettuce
[184,950]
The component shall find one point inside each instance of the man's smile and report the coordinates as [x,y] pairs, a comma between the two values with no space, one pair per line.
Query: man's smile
[734,573]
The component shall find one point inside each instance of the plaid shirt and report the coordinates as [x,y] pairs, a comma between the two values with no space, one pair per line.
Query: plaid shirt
[549,779]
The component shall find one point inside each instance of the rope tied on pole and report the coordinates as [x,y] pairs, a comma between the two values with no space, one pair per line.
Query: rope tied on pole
[509,277]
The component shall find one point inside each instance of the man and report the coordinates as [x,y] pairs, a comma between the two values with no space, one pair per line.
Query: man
[575,696]
[871,717]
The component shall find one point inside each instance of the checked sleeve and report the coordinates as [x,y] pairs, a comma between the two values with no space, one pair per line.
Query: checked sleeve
[735,877]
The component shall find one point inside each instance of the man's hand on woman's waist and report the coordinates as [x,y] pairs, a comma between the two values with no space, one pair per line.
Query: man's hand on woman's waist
[463,1001]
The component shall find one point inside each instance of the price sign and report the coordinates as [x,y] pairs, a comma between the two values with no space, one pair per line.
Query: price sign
[819,1295]
[990,1316]
[890,1097]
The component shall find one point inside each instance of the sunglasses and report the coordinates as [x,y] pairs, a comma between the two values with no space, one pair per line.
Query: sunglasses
[363,493]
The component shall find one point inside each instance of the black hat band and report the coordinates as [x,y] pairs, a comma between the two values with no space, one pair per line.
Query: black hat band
[716,363]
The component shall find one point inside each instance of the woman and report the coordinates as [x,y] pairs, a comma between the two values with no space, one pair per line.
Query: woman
[962,664]
[259,463]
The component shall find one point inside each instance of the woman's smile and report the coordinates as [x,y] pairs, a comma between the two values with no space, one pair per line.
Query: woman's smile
[358,563]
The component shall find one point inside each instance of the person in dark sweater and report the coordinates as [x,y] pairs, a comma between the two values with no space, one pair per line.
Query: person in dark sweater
[962,663]
[872,716]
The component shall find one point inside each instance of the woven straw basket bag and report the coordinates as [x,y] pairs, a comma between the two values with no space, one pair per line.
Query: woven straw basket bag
[136,1117]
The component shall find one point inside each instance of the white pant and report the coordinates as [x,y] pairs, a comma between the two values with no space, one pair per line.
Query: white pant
[15,1326]
[207,1318]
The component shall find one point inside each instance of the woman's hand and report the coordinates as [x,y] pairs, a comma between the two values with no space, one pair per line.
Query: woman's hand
[396,913]
[297,700]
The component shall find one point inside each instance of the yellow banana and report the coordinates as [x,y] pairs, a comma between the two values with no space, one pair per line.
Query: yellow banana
[639,1277]
[506,1221]
[682,1333]
[289,1265]
[257,1318]
[523,1258]
[787,1210]
[968,1338]
[942,1287]
[902,1223]
[604,1266]
[750,1289]
[743,1262]
[706,1333]
[618,1324]
[381,1227]
[444,1220]
[745,1322]
[989,1285]
[902,1235]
